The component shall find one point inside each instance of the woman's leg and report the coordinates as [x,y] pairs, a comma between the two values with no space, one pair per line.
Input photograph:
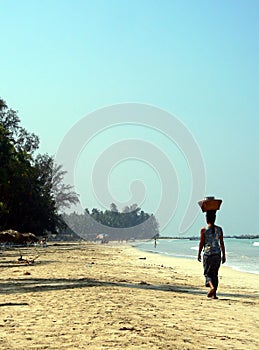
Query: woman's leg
[211,266]
[207,271]
[214,272]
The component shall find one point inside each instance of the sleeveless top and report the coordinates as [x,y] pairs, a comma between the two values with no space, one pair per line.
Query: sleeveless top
[212,241]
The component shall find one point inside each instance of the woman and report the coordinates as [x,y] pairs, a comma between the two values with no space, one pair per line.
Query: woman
[211,241]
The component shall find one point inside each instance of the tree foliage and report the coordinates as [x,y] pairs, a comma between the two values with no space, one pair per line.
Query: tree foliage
[33,192]
[28,184]
[132,223]
[63,194]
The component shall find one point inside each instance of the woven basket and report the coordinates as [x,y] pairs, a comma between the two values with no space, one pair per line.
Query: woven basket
[210,203]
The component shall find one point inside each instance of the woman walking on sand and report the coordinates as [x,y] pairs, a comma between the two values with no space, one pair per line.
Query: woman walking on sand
[211,241]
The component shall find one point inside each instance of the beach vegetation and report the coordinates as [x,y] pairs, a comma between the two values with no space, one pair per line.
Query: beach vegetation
[33,193]
[130,222]
[31,186]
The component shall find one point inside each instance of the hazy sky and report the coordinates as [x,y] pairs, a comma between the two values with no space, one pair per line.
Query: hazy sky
[196,60]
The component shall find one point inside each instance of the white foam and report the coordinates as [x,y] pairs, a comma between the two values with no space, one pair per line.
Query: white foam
[256,244]
[195,248]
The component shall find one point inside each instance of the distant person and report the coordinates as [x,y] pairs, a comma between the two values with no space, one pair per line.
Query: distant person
[155,243]
[212,243]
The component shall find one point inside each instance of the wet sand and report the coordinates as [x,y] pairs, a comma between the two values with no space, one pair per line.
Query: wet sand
[92,296]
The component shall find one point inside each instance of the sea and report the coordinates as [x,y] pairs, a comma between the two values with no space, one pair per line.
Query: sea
[242,254]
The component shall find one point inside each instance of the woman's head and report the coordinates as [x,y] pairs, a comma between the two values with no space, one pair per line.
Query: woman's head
[211,217]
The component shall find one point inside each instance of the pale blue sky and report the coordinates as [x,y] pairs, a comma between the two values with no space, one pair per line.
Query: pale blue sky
[198,60]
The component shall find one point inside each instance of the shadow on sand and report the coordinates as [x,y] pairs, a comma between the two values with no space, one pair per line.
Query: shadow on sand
[29,285]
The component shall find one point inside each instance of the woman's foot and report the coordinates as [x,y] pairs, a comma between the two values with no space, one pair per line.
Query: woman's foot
[211,293]
[214,295]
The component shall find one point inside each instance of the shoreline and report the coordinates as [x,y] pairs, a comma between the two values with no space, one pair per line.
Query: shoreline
[229,263]
[192,258]
[92,296]
[195,267]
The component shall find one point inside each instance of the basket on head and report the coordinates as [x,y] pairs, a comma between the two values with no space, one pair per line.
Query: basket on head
[210,203]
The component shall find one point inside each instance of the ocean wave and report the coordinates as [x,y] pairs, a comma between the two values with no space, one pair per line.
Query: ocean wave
[243,269]
[195,248]
[242,255]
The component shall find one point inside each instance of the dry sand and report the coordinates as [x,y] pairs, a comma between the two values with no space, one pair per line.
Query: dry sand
[91,296]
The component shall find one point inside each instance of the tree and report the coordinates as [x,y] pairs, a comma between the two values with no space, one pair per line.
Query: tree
[31,188]
[63,194]
[21,139]
[25,192]
[2,105]
[126,209]
[118,225]
[113,208]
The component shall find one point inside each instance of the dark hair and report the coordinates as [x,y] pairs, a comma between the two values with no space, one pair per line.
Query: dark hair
[211,217]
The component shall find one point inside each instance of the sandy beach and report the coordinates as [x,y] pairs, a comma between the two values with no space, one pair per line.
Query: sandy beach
[92,296]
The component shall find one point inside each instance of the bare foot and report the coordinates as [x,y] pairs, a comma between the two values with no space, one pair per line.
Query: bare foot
[211,293]
[214,296]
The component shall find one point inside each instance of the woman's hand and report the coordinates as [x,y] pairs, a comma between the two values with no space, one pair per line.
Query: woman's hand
[202,241]
[223,259]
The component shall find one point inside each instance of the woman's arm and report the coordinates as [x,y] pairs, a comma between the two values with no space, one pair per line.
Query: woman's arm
[202,241]
[222,245]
